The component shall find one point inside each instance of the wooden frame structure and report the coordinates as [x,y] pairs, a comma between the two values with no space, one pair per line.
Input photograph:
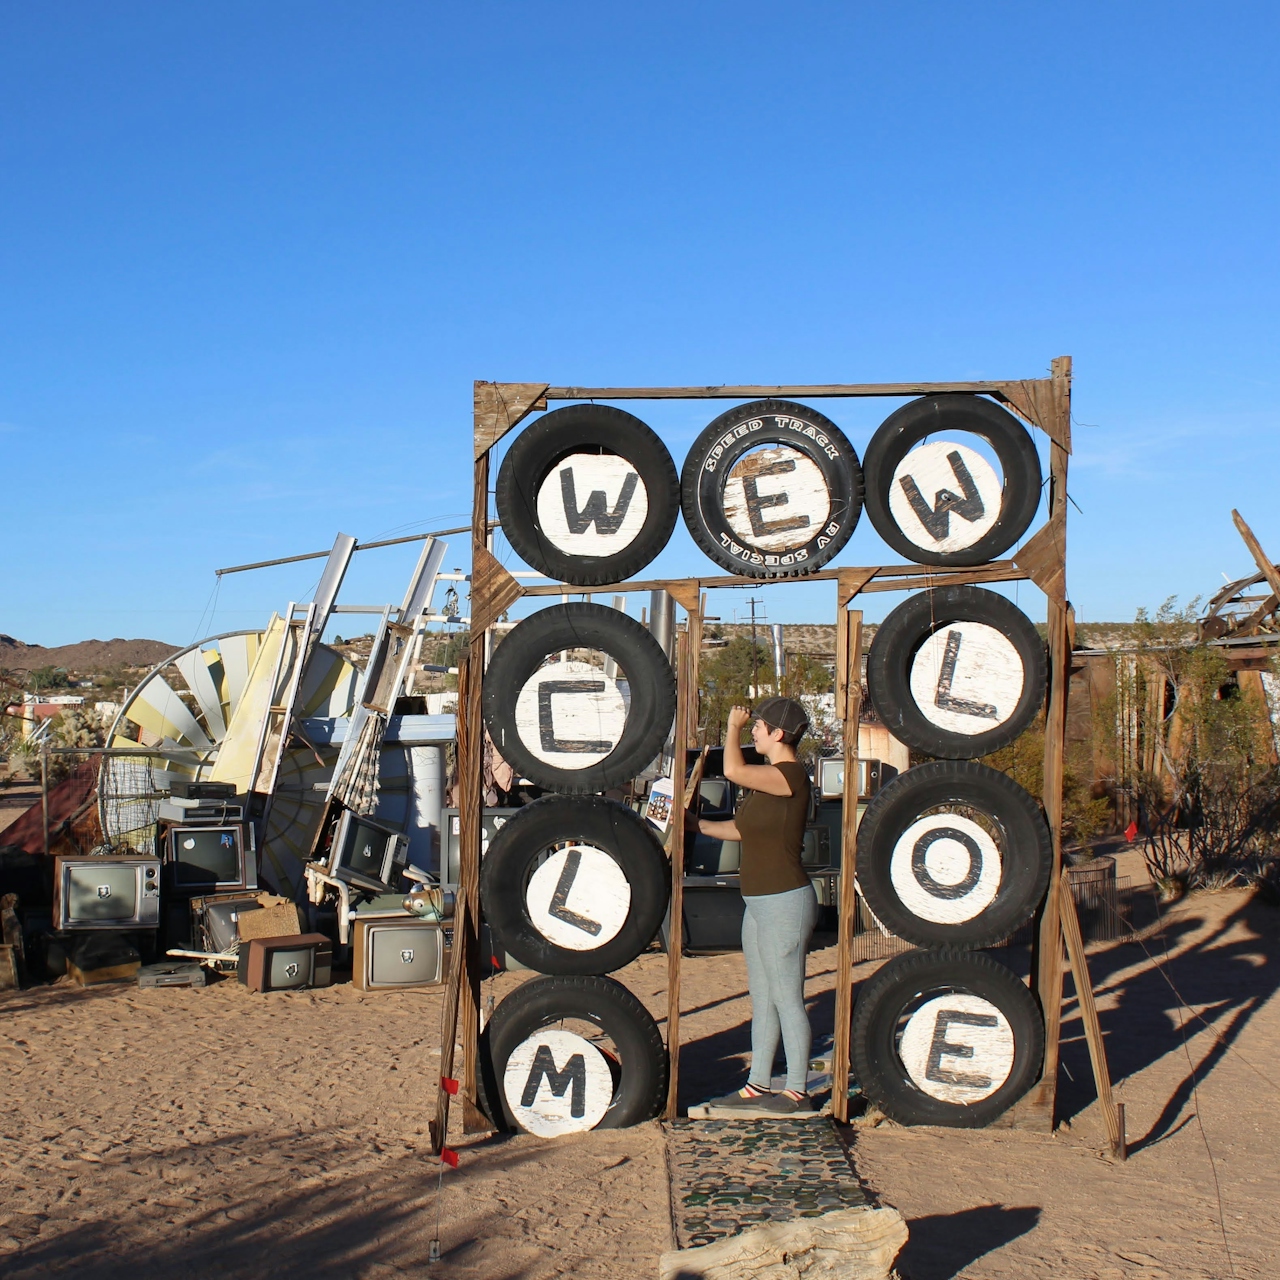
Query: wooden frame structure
[1044,403]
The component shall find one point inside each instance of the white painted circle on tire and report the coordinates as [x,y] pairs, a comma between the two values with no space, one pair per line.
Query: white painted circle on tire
[945,868]
[957,1048]
[945,496]
[776,499]
[556,1082]
[592,504]
[571,715]
[579,898]
[967,678]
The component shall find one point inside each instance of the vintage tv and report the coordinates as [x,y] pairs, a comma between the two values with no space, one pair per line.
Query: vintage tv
[367,853]
[286,963]
[396,954]
[451,839]
[106,893]
[210,859]
[215,919]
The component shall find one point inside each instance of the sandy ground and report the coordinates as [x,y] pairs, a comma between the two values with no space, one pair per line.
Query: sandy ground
[217,1133]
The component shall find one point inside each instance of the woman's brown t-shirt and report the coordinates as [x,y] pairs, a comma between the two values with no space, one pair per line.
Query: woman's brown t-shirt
[772,830]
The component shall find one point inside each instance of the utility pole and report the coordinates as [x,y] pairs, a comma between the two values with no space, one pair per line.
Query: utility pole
[755,655]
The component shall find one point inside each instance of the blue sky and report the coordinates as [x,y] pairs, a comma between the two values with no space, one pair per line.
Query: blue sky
[252,257]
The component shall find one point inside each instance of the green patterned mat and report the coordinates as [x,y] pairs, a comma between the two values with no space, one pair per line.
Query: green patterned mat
[730,1175]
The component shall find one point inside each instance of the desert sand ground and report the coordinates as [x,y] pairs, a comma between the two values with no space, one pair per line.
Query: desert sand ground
[214,1133]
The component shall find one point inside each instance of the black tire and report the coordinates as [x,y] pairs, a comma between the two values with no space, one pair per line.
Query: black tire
[753,549]
[637,1058]
[917,1067]
[978,664]
[636,740]
[950,416]
[598,516]
[598,932]
[976,810]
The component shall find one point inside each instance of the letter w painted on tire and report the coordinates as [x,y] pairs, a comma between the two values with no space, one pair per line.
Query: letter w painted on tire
[938,518]
[596,510]
[574,1075]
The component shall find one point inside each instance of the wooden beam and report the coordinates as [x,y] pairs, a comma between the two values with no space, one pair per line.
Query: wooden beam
[759,391]
[852,580]
[493,590]
[848,630]
[499,406]
[1089,1013]
[1043,557]
[675,932]
[893,577]
[1269,570]
[684,593]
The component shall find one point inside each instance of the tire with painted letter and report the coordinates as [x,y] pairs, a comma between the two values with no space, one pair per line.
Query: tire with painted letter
[570,726]
[588,494]
[941,502]
[953,853]
[957,672]
[575,885]
[771,489]
[562,1055]
[946,1037]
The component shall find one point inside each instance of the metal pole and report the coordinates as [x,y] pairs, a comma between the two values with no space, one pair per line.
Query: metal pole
[44,795]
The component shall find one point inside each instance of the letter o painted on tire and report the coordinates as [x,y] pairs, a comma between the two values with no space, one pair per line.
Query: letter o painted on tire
[957,672]
[946,1037]
[953,853]
[942,502]
[574,885]
[771,489]
[570,726]
[588,494]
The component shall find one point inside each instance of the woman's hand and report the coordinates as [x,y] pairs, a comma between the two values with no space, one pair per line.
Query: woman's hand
[739,718]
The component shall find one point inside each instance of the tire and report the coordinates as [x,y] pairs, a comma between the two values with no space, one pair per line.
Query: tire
[625,1085]
[620,740]
[950,809]
[964,1071]
[582,910]
[602,517]
[957,672]
[917,510]
[749,533]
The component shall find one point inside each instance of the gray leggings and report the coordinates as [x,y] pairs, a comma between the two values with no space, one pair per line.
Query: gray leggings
[775,936]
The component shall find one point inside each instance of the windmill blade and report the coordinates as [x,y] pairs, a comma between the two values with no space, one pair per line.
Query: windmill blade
[239,653]
[194,665]
[158,709]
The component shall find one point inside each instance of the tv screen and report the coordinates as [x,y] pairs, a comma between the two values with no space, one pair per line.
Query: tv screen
[205,857]
[366,852]
[714,793]
[106,893]
[290,967]
[389,953]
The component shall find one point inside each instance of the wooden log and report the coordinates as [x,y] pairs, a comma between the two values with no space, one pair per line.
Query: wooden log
[849,707]
[860,1243]
[675,932]
[760,391]
[1269,570]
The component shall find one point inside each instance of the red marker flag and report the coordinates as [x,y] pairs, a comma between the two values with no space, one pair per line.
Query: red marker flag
[1131,831]
[448,1085]
[449,1156]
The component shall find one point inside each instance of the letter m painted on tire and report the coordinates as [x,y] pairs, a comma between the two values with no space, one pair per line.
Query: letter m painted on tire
[573,1076]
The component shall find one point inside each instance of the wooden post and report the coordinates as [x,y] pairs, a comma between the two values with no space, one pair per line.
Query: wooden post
[1046,959]
[675,931]
[848,708]
[1112,1115]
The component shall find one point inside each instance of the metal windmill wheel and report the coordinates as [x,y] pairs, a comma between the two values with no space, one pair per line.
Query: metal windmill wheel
[185,707]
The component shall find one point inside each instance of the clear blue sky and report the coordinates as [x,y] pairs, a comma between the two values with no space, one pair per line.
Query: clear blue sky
[252,257]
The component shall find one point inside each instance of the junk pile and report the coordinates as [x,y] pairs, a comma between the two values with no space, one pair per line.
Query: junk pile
[268,810]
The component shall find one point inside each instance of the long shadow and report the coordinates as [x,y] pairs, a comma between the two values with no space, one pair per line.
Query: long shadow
[1228,980]
[334,1227]
[943,1244]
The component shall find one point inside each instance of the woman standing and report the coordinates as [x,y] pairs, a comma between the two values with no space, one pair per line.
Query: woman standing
[781,906]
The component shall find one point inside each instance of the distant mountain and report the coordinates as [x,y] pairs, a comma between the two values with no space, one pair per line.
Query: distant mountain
[87,656]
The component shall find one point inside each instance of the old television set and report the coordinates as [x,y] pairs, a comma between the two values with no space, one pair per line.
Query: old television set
[106,893]
[392,954]
[215,919]
[716,798]
[286,963]
[367,853]
[209,859]
[492,822]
